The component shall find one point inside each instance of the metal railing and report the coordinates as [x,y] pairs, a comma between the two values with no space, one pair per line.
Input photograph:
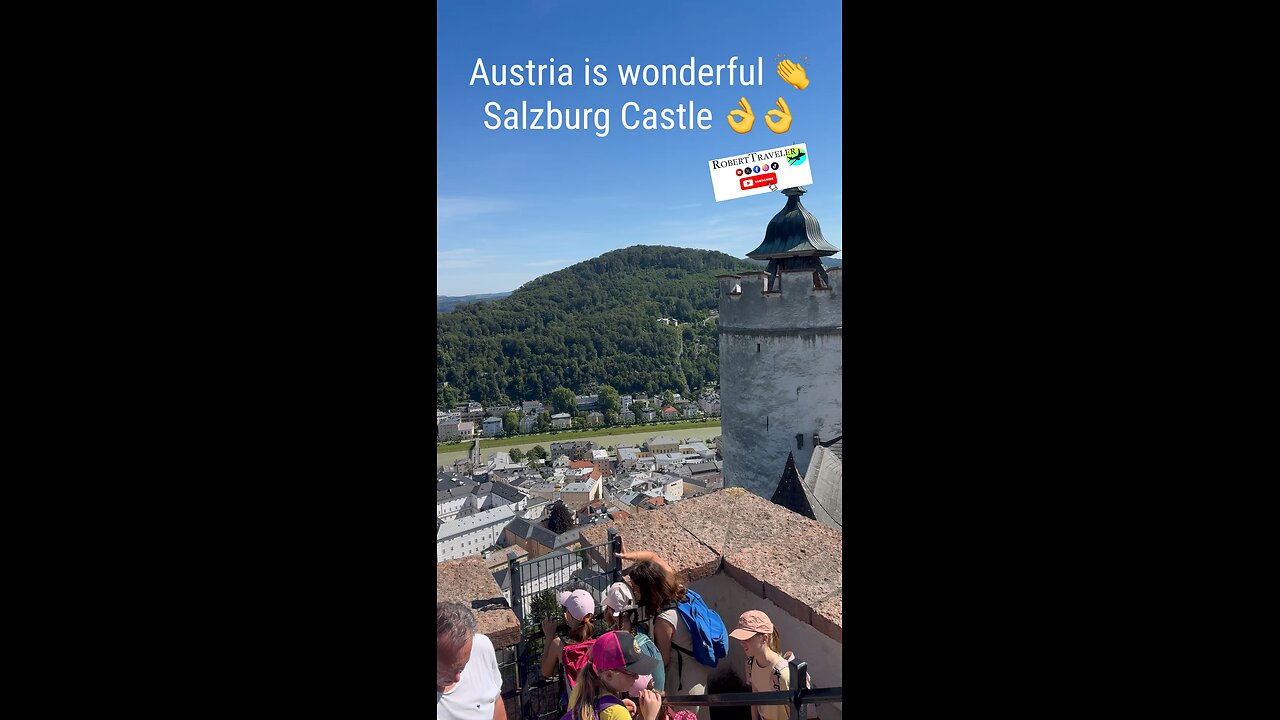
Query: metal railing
[799,697]
[593,567]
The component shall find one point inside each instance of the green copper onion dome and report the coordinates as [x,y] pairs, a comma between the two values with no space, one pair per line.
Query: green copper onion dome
[793,232]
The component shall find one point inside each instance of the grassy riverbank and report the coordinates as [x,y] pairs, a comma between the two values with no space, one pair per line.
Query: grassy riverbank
[657,428]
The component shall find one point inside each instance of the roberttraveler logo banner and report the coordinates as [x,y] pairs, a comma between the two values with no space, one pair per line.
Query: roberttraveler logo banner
[741,176]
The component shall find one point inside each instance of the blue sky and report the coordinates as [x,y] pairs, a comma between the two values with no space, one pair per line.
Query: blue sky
[516,204]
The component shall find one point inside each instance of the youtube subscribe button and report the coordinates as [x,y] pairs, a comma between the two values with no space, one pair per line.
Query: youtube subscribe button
[756,181]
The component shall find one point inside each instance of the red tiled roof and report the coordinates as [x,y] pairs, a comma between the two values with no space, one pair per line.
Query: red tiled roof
[620,514]
[668,409]
[580,464]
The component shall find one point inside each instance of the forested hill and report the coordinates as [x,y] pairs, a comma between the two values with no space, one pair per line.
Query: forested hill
[594,322]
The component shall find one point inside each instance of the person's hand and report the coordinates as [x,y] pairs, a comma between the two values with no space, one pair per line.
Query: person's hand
[548,627]
[622,544]
[650,704]
[793,74]
[629,705]
[745,117]
[783,123]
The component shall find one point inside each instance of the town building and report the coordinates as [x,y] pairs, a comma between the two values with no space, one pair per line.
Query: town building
[471,534]
[574,449]
[447,429]
[601,461]
[561,420]
[576,494]
[662,444]
[492,426]
[536,538]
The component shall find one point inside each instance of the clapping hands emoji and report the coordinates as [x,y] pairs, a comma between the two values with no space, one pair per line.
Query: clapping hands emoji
[793,75]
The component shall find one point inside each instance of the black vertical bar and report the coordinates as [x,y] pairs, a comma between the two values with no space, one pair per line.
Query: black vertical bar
[615,562]
[517,606]
[800,678]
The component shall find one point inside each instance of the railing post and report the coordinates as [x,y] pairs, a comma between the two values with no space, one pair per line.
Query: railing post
[517,606]
[615,547]
[800,680]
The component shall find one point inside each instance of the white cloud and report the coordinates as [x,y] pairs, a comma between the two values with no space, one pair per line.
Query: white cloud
[452,208]
[460,258]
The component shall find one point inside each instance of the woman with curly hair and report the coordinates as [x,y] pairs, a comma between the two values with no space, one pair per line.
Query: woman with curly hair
[656,590]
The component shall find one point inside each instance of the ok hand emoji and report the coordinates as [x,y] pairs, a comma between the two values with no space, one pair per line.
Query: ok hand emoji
[745,117]
[783,123]
[793,74]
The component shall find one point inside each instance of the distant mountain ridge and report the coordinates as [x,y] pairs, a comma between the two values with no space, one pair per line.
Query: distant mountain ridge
[595,322]
[445,303]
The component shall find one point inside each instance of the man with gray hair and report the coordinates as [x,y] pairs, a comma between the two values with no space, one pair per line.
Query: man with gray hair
[468,684]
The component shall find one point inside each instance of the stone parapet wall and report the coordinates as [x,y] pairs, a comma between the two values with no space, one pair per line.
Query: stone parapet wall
[469,581]
[771,552]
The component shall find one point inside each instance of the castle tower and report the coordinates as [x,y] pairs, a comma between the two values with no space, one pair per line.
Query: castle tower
[780,353]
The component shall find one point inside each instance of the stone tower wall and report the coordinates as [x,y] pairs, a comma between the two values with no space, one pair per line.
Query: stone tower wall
[781,364]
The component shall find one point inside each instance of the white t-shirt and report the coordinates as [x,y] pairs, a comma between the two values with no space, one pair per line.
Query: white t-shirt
[474,695]
[690,676]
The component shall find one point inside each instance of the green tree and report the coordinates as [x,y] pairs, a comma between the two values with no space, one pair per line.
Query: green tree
[544,606]
[667,398]
[611,417]
[538,452]
[447,397]
[608,399]
[561,518]
[563,400]
[517,455]
[544,421]
[511,422]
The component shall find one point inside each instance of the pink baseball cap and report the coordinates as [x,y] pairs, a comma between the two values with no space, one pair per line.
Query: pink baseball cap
[619,651]
[579,603]
[750,623]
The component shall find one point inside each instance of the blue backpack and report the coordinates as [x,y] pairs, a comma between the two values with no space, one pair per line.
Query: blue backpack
[710,637]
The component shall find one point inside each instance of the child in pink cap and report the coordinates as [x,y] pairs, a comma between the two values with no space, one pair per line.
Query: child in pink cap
[579,607]
[615,666]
